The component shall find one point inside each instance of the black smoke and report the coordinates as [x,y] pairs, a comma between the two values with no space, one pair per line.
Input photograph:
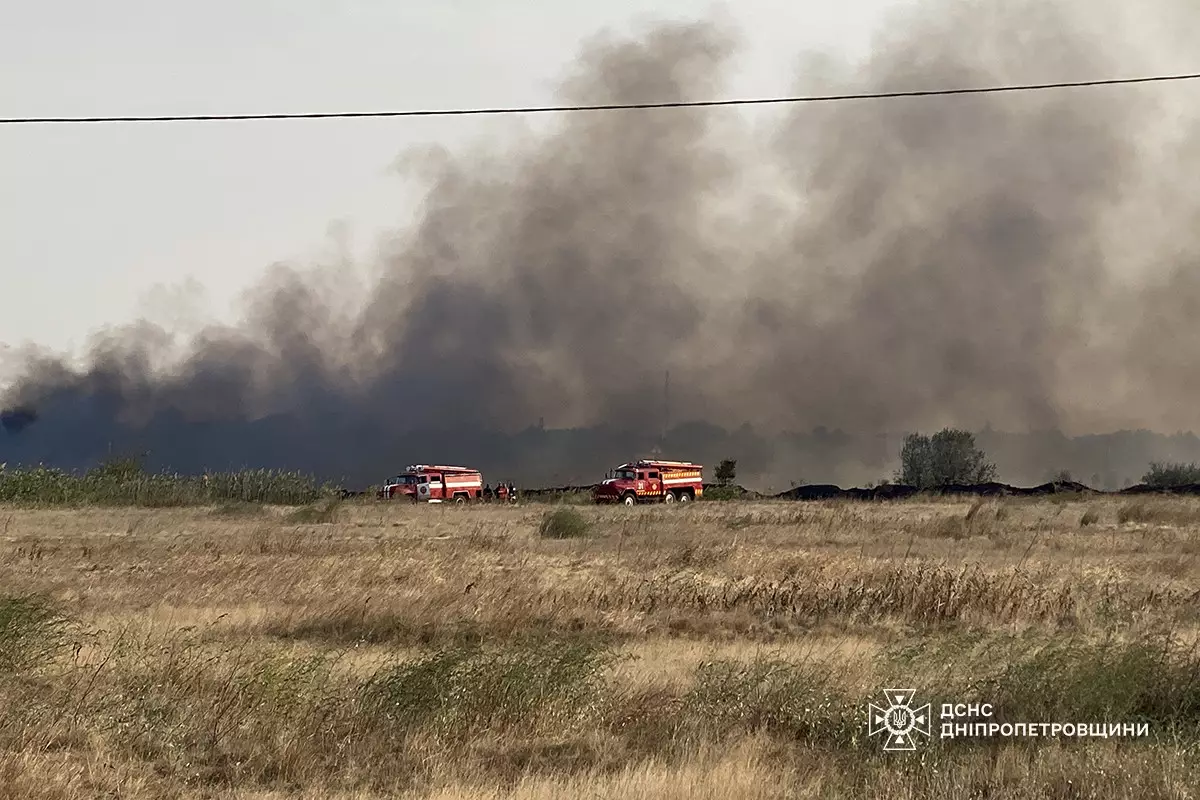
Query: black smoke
[874,267]
[15,420]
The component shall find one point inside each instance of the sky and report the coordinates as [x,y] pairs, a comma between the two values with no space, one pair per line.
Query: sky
[872,266]
[102,224]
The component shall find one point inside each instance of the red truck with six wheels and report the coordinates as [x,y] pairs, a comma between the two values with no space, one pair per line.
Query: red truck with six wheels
[426,483]
[651,482]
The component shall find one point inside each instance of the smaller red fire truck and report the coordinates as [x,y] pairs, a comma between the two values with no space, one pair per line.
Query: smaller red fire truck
[651,482]
[427,483]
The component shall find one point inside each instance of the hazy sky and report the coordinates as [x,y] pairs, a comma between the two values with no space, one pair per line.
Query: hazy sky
[102,223]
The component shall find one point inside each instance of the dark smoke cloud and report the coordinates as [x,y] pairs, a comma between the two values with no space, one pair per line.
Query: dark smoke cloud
[16,420]
[950,247]
[875,267]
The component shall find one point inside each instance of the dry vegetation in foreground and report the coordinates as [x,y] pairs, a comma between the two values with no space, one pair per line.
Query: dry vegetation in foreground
[719,650]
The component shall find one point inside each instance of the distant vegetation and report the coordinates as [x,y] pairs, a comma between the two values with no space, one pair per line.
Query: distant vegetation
[949,456]
[1172,474]
[724,476]
[722,493]
[123,482]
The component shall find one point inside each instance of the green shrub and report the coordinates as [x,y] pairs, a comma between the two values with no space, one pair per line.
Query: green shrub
[458,691]
[1168,475]
[31,631]
[795,700]
[563,523]
[722,493]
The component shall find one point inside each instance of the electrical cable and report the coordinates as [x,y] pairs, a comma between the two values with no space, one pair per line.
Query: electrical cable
[461,112]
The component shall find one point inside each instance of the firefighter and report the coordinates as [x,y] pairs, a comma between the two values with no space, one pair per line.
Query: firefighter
[487,493]
[512,492]
[501,492]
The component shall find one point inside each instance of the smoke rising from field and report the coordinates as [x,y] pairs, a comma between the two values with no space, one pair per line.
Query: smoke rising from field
[1023,260]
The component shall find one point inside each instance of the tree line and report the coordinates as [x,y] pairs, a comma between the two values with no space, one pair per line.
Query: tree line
[951,456]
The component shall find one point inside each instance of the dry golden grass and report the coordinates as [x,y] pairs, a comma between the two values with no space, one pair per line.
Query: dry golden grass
[715,650]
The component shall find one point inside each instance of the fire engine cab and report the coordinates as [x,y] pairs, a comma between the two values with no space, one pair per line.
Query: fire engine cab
[427,483]
[651,482]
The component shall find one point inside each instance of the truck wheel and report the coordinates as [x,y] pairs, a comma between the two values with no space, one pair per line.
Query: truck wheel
[684,497]
[460,500]
[669,497]
[629,500]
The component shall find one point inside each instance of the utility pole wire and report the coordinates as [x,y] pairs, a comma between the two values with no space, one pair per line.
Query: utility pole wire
[463,112]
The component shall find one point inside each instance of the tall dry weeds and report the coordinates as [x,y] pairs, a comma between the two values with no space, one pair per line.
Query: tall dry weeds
[456,653]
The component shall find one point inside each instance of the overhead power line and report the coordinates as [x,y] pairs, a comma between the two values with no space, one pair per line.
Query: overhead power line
[464,112]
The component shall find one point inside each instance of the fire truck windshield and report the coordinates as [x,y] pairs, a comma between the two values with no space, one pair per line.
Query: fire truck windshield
[624,474]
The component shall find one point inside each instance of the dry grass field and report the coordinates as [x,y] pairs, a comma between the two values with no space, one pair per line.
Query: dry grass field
[718,650]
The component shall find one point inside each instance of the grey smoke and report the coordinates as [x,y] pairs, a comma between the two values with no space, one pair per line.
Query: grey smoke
[871,266]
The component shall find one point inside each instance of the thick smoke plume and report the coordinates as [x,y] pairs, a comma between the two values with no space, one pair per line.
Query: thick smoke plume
[1024,260]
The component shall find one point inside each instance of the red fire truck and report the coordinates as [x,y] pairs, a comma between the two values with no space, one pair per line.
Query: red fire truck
[651,482]
[428,483]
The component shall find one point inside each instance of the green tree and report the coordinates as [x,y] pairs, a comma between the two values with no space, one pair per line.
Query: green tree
[949,456]
[725,472]
[1164,475]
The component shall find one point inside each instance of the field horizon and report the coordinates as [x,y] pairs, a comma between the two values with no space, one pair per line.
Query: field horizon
[768,461]
[126,482]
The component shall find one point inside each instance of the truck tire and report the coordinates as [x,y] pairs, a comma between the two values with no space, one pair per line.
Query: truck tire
[629,499]
[460,499]
[669,497]
[684,497]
